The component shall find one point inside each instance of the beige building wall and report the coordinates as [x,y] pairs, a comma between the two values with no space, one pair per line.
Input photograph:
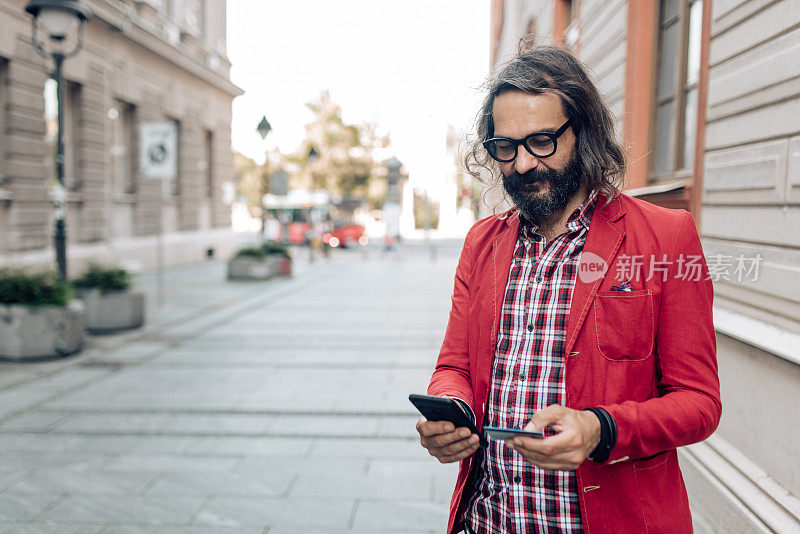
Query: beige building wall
[746,477]
[751,202]
[751,207]
[600,29]
[519,18]
[159,60]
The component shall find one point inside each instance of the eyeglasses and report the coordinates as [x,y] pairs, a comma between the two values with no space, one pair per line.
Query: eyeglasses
[539,144]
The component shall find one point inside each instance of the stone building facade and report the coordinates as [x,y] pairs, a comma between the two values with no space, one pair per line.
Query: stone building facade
[141,60]
[707,98]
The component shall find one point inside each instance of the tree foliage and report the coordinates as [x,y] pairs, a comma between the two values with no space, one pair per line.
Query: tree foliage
[251,179]
[344,163]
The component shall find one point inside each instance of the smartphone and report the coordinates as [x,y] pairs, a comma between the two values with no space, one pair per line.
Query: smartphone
[508,433]
[445,409]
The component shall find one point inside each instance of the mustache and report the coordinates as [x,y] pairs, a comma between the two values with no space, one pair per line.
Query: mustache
[533,175]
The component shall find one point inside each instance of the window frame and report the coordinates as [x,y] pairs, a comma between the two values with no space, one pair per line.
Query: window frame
[128,159]
[679,91]
[4,89]
[208,145]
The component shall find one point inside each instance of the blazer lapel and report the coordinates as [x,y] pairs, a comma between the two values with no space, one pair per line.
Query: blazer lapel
[606,232]
[502,252]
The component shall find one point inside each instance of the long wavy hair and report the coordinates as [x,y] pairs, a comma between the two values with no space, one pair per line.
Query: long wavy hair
[550,69]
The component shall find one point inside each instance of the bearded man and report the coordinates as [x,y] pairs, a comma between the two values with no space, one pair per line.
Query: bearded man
[574,313]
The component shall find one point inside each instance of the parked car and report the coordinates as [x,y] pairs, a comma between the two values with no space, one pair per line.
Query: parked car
[346,236]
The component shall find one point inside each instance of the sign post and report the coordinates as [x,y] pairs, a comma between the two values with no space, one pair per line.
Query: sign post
[158,160]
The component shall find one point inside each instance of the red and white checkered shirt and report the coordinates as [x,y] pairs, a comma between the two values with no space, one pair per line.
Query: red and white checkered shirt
[510,494]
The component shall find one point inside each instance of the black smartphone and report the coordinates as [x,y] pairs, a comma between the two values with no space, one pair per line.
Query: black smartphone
[445,409]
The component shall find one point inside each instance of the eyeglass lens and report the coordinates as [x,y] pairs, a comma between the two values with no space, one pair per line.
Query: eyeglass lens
[538,145]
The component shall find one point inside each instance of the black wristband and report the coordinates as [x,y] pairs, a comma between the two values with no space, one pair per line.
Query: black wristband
[608,435]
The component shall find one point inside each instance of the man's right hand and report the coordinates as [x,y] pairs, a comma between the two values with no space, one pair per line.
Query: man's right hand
[445,442]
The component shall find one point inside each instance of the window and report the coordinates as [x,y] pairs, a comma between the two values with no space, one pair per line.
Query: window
[675,113]
[176,182]
[3,104]
[4,155]
[123,147]
[208,144]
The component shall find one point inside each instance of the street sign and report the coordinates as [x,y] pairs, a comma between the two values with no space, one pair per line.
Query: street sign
[263,127]
[158,154]
[279,183]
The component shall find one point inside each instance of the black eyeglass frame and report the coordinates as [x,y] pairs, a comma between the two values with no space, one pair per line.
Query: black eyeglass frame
[516,142]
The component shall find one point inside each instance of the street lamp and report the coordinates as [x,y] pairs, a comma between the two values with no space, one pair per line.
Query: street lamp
[59,18]
[391,205]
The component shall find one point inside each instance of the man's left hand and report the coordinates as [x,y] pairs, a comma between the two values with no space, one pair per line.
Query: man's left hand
[578,435]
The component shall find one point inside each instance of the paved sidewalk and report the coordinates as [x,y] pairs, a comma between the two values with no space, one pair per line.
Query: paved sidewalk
[270,407]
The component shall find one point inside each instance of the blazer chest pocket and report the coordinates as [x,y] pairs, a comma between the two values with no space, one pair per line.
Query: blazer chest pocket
[624,324]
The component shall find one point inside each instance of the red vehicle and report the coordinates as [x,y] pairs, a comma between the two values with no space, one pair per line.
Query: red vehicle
[296,213]
[346,236]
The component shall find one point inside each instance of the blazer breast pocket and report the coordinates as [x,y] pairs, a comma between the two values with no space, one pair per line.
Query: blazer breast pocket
[625,324]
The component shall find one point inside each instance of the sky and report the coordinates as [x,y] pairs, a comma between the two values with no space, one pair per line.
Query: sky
[409,66]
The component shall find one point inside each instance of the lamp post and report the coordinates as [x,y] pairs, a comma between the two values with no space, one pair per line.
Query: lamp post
[391,206]
[59,18]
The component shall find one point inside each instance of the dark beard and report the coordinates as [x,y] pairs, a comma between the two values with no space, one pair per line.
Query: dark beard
[536,208]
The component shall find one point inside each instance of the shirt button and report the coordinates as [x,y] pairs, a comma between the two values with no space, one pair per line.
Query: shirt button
[522,376]
[517,479]
[530,328]
[539,279]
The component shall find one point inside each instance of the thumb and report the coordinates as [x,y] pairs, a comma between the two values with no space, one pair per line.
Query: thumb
[547,417]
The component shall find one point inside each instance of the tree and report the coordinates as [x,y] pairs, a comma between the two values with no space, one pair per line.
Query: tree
[342,160]
[253,180]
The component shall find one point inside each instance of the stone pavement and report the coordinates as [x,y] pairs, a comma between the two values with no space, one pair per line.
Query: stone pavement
[266,407]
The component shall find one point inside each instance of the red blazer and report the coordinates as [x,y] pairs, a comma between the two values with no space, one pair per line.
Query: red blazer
[648,356]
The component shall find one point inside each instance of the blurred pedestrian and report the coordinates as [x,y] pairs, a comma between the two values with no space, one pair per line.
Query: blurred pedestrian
[551,329]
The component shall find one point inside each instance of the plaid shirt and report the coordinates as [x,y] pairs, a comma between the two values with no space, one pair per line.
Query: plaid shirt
[510,494]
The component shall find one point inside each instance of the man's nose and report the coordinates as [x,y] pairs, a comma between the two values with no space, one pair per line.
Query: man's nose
[525,161]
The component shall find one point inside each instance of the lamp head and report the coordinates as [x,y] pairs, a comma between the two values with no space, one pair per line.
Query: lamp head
[58,17]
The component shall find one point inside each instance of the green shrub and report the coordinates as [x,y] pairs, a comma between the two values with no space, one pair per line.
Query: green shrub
[103,278]
[252,252]
[37,289]
[268,248]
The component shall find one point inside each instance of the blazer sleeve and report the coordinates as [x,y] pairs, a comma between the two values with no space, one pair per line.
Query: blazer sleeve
[688,407]
[451,376]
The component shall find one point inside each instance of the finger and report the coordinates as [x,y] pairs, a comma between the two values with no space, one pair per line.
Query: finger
[550,415]
[435,428]
[568,458]
[442,440]
[458,447]
[553,445]
[465,453]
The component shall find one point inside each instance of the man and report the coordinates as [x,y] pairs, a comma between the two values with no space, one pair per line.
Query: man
[572,313]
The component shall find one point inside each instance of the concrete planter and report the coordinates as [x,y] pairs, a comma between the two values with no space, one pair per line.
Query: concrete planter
[112,311]
[284,266]
[248,268]
[28,333]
